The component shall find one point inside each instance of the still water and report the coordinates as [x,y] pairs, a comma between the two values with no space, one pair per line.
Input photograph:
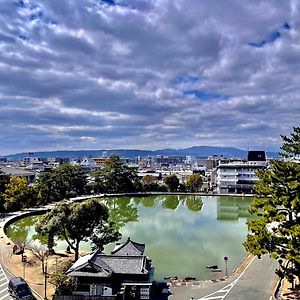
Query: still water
[183,234]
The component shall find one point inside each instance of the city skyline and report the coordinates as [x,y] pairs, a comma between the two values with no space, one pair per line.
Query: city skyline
[148,74]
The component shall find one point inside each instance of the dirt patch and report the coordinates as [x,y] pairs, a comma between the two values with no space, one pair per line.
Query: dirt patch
[31,270]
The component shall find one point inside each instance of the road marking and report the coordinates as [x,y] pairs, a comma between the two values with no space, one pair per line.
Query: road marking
[3,297]
[3,286]
[225,290]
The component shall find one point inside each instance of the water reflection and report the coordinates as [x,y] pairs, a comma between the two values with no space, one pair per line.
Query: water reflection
[231,209]
[182,234]
[121,211]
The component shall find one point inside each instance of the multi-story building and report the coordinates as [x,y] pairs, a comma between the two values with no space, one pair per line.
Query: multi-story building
[239,176]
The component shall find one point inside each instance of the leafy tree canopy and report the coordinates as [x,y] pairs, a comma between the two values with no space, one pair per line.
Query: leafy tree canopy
[291,144]
[63,182]
[172,182]
[18,194]
[276,231]
[77,222]
[194,183]
[116,177]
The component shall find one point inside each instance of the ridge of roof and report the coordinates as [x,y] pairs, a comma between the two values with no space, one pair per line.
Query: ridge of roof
[139,247]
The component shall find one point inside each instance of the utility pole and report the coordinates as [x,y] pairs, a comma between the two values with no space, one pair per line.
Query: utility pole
[46,264]
[226,261]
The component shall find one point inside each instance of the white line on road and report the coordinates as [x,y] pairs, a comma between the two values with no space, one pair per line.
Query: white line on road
[225,289]
[3,297]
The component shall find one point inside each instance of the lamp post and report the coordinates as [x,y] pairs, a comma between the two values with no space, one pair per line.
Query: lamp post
[46,264]
[24,260]
[226,260]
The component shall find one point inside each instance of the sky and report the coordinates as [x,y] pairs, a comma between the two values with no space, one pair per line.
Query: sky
[148,74]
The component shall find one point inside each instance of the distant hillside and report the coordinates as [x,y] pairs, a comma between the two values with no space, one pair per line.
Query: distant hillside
[198,151]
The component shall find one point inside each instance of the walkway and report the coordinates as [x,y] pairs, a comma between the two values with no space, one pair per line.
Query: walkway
[257,281]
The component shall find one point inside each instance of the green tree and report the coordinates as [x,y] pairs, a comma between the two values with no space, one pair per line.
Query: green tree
[291,144]
[84,221]
[194,183]
[19,194]
[172,182]
[149,183]
[4,180]
[276,231]
[63,182]
[116,177]
[64,284]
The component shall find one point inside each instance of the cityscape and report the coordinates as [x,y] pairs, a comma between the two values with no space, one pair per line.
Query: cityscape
[149,150]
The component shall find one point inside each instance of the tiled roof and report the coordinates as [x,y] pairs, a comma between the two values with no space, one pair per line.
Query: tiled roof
[127,258]
[129,248]
[101,265]
[125,264]
[88,274]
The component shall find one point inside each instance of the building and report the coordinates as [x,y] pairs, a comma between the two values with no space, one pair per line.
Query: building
[126,273]
[239,176]
[17,172]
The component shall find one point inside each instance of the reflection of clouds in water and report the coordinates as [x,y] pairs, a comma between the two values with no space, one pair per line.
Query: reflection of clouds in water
[182,242]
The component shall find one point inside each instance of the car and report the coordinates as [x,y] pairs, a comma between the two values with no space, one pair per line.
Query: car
[19,289]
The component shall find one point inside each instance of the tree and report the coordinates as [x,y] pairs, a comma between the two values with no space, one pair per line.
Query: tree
[40,252]
[276,231]
[64,284]
[4,180]
[63,182]
[149,183]
[48,226]
[116,177]
[19,194]
[77,222]
[172,182]
[291,144]
[194,183]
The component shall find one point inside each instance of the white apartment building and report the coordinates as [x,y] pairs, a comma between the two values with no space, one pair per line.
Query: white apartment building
[240,176]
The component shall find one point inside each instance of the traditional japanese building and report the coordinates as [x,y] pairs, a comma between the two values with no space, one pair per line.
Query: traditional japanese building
[125,273]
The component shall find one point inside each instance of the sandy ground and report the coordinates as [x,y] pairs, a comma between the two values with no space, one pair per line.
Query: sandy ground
[32,269]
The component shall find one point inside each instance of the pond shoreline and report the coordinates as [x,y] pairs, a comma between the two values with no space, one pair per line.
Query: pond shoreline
[167,213]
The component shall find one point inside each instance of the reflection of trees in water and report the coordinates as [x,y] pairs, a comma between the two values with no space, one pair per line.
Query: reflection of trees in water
[194,203]
[122,210]
[170,202]
[149,201]
[18,232]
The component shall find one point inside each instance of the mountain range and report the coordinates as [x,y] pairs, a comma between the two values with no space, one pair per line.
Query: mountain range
[197,151]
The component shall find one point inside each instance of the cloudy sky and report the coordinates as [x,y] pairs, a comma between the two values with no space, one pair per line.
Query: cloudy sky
[148,74]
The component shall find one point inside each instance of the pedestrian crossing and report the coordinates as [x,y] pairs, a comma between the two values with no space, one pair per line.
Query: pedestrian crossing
[4,295]
[222,293]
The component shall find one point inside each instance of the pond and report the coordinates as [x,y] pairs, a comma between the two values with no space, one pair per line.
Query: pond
[183,234]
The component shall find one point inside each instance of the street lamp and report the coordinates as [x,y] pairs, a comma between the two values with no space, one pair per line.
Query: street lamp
[226,260]
[46,264]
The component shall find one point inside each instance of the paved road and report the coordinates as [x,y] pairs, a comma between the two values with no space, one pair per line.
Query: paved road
[256,282]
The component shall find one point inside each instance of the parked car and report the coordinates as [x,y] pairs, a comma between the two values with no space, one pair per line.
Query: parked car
[19,289]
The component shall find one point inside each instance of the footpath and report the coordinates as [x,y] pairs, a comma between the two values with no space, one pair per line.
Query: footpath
[255,279]
[13,265]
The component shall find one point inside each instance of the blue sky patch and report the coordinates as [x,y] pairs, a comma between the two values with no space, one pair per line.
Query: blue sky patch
[23,38]
[273,37]
[186,79]
[205,96]
[109,2]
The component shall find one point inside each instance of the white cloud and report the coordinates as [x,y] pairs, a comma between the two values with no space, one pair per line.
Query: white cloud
[68,67]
